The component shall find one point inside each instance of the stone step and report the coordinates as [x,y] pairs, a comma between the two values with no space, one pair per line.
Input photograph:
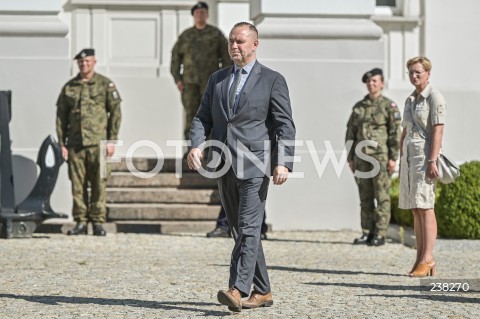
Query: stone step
[150,165]
[165,226]
[188,180]
[163,195]
[139,227]
[176,212]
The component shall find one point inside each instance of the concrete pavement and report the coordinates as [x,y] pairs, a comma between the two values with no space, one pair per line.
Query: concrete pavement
[313,275]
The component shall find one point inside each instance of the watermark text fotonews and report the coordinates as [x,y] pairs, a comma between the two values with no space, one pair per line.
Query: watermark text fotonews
[219,158]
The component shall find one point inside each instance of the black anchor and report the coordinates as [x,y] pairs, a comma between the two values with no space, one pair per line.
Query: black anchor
[21,221]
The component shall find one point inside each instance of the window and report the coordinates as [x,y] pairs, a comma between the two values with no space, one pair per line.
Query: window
[386,3]
[387,7]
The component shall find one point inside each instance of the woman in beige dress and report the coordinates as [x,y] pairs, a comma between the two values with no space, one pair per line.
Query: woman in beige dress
[420,144]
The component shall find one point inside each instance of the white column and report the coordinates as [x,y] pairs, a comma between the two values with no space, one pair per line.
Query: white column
[322,48]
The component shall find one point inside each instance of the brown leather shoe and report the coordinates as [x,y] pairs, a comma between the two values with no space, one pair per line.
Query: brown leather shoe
[231,298]
[258,300]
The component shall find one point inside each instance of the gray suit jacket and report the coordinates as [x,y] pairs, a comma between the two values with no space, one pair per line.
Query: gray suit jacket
[256,134]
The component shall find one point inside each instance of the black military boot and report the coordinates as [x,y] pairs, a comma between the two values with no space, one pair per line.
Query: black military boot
[219,232]
[377,241]
[79,229]
[364,240]
[98,230]
[263,235]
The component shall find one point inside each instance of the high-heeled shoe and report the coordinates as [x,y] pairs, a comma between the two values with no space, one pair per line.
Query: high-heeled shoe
[428,268]
[413,268]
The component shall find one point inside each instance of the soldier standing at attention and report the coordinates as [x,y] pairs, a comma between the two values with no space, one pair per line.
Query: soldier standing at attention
[88,111]
[374,118]
[200,50]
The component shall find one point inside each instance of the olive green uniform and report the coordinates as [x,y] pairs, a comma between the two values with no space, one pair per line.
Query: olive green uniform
[195,56]
[87,112]
[378,121]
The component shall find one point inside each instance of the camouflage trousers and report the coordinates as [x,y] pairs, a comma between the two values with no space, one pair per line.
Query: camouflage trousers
[84,172]
[374,196]
[191,97]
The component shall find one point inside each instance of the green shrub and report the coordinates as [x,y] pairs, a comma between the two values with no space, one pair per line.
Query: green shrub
[401,217]
[458,206]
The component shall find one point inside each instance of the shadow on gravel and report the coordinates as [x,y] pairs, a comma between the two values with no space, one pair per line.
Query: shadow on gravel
[368,286]
[308,241]
[422,293]
[199,235]
[459,298]
[165,305]
[39,236]
[329,271]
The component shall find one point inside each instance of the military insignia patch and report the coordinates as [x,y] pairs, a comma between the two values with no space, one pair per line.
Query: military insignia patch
[397,116]
[115,94]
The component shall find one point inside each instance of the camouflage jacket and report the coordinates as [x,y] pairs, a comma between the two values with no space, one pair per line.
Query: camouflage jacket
[88,112]
[377,120]
[200,52]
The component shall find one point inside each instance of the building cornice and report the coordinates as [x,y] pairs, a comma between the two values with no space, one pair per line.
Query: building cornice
[27,25]
[322,28]
[129,3]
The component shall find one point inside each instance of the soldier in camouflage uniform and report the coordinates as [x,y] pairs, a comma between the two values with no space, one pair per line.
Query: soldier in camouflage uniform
[199,51]
[375,118]
[88,111]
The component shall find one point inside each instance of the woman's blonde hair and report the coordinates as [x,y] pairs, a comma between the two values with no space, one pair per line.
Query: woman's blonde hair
[423,60]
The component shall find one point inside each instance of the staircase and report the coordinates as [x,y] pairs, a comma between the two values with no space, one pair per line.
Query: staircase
[162,203]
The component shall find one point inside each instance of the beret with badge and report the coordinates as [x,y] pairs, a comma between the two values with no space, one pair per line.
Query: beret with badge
[372,72]
[199,5]
[84,53]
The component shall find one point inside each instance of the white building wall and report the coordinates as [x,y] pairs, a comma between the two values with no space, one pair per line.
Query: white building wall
[133,42]
[450,30]
[34,63]
[444,32]
[322,48]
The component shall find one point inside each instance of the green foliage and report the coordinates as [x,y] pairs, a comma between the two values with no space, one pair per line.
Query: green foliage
[458,206]
[401,217]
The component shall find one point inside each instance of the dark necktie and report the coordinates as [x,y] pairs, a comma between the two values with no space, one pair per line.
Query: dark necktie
[233,91]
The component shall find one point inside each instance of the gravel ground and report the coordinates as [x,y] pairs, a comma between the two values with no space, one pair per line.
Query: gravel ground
[313,275]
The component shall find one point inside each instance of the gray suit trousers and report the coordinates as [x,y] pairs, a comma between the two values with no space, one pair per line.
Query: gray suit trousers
[244,202]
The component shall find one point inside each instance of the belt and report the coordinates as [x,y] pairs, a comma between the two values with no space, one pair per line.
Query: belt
[415,134]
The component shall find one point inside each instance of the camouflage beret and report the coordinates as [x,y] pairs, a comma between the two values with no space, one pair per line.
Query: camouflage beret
[199,5]
[84,53]
[372,72]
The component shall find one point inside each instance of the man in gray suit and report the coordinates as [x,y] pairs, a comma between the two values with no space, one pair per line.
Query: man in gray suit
[246,109]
